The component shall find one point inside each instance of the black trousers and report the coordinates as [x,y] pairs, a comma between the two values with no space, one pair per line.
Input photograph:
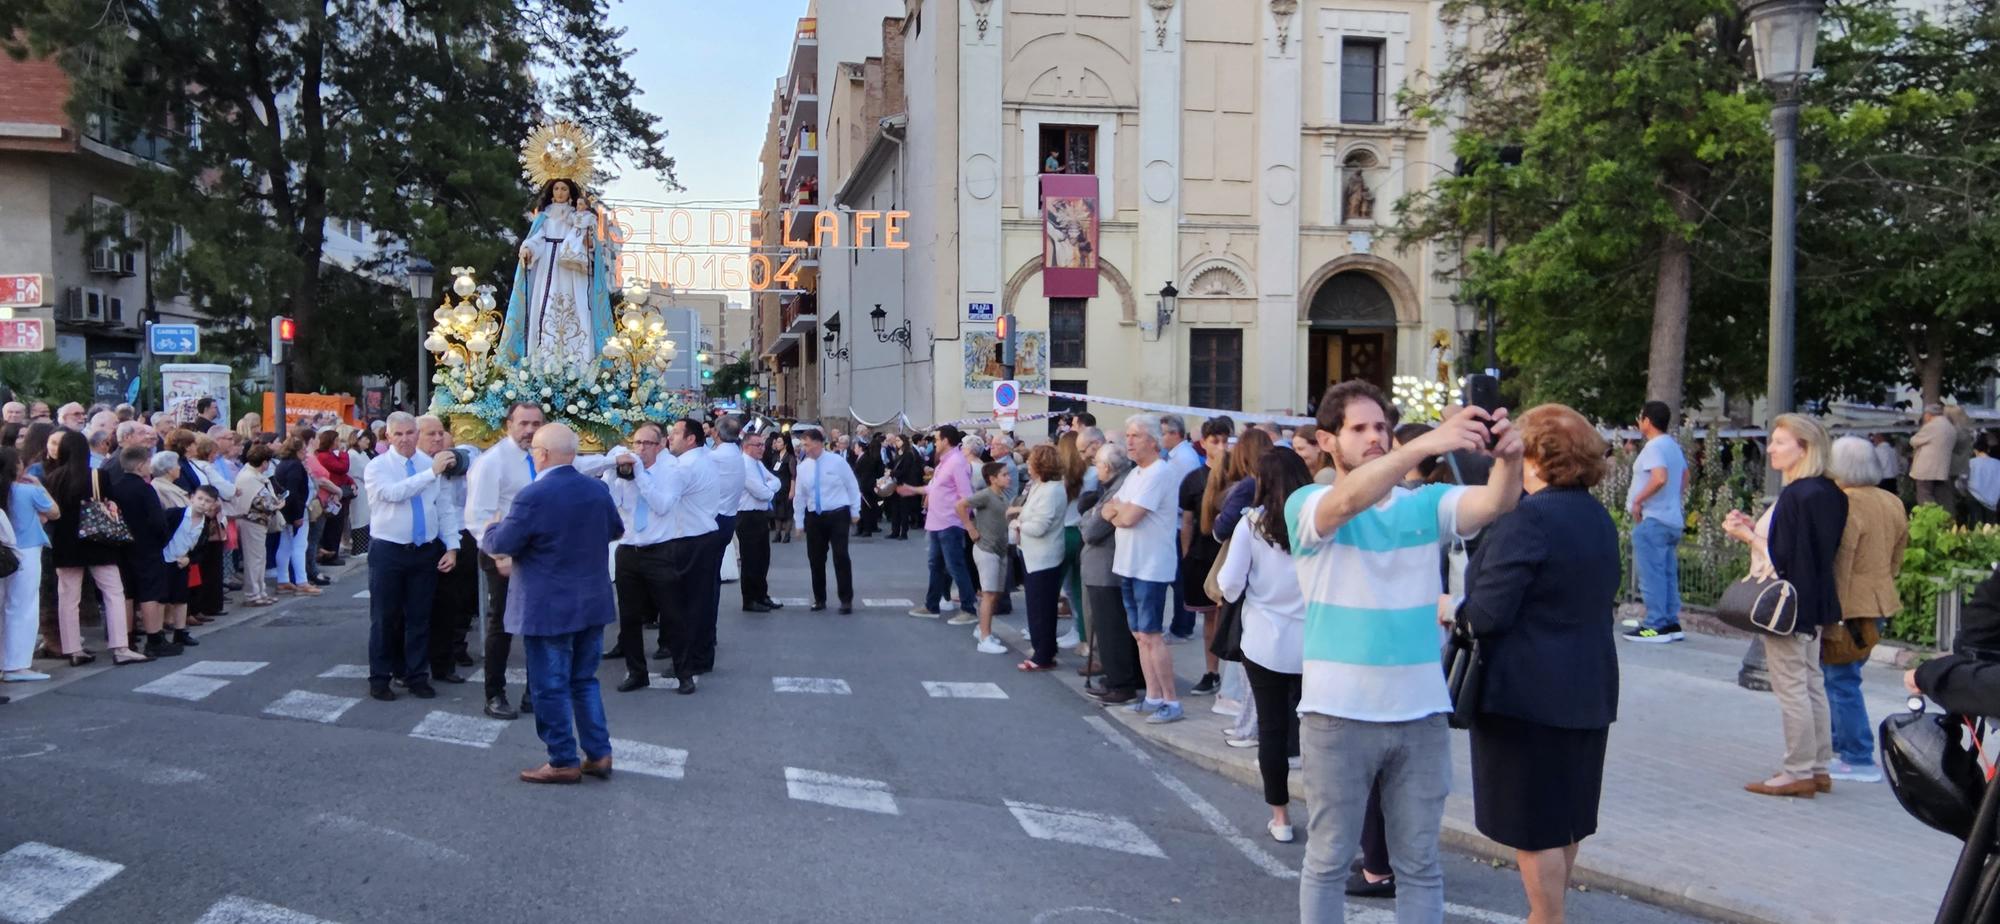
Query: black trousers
[1277,697]
[828,532]
[653,582]
[1043,588]
[457,600]
[207,599]
[871,511]
[1111,639]
[709,582]
[499,643]
[753,541]
[402,581]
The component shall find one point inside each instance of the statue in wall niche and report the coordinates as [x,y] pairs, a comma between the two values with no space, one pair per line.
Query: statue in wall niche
[1358,203]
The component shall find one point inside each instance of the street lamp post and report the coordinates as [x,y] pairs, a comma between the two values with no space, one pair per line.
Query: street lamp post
[1783,36]
[419,273]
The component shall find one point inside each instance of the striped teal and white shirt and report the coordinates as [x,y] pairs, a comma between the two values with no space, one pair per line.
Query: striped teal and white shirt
[1371,589]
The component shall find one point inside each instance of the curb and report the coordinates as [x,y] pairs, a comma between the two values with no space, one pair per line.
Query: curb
[1692,897]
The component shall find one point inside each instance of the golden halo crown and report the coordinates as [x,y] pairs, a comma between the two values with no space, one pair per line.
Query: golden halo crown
[559,150]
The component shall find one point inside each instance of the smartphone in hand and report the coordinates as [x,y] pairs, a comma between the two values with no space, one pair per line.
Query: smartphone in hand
[1483,391]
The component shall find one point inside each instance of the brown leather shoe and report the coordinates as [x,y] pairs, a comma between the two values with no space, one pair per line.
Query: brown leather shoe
[600,768]
[1823,782]
[1803,789]
[549,773]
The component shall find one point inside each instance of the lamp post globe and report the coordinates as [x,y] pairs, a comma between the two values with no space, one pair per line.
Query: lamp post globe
[1784,37]
[420,275]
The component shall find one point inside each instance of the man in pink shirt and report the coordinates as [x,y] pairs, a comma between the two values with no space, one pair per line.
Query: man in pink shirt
[951,482]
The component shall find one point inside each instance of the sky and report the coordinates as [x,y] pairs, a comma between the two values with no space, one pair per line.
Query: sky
[707,69]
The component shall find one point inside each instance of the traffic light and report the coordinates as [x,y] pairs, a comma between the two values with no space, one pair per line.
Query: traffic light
[283,332]
[750,394]
[707,374]
[1008,335]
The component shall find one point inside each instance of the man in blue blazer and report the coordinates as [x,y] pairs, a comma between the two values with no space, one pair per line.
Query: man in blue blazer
[553,546]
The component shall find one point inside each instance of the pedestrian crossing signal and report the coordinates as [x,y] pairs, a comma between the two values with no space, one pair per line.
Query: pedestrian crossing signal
[283,332]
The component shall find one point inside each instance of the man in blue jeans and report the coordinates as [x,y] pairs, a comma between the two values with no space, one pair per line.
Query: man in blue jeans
[951,482]
[1659,479]
[551,546]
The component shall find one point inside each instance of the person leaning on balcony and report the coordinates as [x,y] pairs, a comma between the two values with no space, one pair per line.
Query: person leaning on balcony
[1864,571]
[1931,468]
[1798,540]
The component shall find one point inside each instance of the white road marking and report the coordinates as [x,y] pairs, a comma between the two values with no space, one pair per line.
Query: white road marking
[345,672]
[239,910]
[312,707]
[361,596]
[514,675]
[1088,829]
[794,601]
[1217,822]
[38,881]
[944,689]
[182,686]
[352,825]
[891,602]
[840,791]
[830,685]
[451,728]
[224,668]
[648,759]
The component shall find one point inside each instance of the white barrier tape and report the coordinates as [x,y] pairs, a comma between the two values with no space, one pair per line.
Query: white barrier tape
[1180,409]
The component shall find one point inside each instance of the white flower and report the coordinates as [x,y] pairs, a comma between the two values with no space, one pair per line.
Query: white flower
[546,393]
[572,409]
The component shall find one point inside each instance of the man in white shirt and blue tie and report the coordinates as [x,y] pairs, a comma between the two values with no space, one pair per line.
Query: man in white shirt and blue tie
[825,502]
[727,458]
[753,526]
[498,475]
[405,558]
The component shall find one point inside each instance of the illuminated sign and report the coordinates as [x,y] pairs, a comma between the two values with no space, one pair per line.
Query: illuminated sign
[694,249]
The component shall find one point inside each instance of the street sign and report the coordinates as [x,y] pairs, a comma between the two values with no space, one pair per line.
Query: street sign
[21,291]
[21,335]
[174,340]
[979,311]
[1006,402]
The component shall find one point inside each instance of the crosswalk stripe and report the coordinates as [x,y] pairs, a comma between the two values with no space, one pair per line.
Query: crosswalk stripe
[840,791]
[891,602]
[794,601]
[514,675]
[829,685]
[182,686]
[345,672]
[362,595]
[1088,829]
[37,881]
[1213,816]
[236,909]
[451,728]
[648,759]
[312,707]
[224,668]
[945,689]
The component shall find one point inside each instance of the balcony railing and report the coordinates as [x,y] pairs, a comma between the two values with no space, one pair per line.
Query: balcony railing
[116,129]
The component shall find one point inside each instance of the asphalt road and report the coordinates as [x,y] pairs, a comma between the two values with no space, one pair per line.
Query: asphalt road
[814,777]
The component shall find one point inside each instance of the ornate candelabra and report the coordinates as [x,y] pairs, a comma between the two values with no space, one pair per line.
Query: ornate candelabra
[640,341]
[467,332]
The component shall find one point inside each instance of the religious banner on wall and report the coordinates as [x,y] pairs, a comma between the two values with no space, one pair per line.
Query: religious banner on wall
[982,359]
[1069,235]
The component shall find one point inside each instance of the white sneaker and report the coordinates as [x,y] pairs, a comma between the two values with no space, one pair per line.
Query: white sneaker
[1280,833]
[991,645]
[962,619]
[1842,770]
[1241,742]
[24,676]
[922,613]
[1068,639]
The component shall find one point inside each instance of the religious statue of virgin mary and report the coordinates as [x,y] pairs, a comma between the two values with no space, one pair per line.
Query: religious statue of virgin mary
[559,312]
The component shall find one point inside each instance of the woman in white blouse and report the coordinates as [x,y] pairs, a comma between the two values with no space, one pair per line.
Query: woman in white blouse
[1259,571]
[1041,522]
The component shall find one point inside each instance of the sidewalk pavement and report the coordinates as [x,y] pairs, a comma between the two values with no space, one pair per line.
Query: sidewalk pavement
[1675,826]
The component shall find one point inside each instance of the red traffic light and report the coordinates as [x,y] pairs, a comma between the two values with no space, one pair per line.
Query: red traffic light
[1003,325]
[287,329]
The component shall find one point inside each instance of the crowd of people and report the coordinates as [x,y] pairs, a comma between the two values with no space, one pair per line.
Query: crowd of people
[144,523]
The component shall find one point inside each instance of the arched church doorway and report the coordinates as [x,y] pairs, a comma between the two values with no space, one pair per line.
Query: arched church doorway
[1353,333]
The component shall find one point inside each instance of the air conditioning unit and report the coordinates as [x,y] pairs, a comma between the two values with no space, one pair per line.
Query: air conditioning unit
[72,305]
[128,264]
[104,259]
[114,310]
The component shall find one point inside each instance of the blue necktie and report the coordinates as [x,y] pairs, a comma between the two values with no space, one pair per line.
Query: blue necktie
[532,474]
[642,516]
[819,466]
[419,533]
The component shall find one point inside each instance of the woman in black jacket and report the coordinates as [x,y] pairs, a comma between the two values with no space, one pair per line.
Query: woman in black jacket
[1796,540]
[71,482]
[1539,597]
[293,482]
[909,472]
[868,468]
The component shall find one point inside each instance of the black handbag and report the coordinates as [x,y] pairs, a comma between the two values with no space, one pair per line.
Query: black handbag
[1769,605]
[1464,671]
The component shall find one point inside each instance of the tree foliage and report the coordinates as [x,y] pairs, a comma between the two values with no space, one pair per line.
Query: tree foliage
[278,116]
[730,380]
[43,376]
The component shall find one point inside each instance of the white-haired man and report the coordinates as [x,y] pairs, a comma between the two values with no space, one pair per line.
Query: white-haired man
[405,557]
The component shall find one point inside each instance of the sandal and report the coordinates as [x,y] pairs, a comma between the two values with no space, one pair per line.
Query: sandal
[308,590]
[1029,666]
